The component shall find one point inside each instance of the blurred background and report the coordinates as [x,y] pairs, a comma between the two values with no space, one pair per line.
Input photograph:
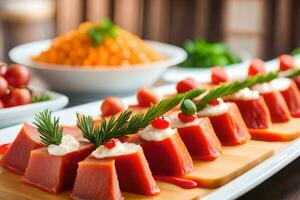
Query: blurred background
[263,28]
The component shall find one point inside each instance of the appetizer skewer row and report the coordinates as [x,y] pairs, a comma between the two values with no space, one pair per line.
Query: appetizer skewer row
[138,142]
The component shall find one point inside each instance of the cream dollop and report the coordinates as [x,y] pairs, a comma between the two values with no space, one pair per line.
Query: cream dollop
[119,149]
[244,94]
[280,84]
[152,134]
[214,110]
[177,123]
[68,144]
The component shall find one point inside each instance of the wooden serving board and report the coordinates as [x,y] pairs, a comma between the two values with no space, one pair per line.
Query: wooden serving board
[233,162]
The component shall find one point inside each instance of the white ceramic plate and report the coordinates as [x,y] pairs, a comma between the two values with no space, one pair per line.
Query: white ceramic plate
[101,80]
[231,190]
[176,74]
[14,115]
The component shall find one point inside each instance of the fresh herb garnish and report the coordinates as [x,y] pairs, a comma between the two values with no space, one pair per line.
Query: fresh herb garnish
[104,30]
[293,73]
[127,122]
[202,54]
[36,98]
[226,89]
[296,52]
[48,127]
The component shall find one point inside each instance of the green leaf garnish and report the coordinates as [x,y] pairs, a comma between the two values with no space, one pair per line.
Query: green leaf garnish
[127,122]
[292,73]
[202,54]
[188,107]
[36,98]
[104,30]
[48,127]
[226,89]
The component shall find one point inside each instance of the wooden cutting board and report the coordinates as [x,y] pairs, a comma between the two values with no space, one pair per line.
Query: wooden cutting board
[233,162]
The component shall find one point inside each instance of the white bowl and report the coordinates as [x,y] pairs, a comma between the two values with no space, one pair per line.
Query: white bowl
[69,79]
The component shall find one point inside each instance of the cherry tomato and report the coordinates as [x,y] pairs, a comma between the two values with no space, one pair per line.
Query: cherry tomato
[17,76]
[3,86]
[161,123]
[286,62]
[147,97]
[257,67]
[17,97]
[186,118]
[112,105]
[186,85]
[218,75]
[1,104]
[3,69]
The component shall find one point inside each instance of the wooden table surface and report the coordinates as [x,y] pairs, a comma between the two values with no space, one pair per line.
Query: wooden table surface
[285,184]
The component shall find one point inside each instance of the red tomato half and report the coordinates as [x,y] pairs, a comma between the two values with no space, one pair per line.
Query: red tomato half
[286,62]
[257,67]
[218,75]
[147,97]
[186,85]
[3,86]
[17,76]
[111,106]
[3,69]
[17,97]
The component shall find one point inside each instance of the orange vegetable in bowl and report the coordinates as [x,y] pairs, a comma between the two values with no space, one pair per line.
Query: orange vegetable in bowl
[94,45]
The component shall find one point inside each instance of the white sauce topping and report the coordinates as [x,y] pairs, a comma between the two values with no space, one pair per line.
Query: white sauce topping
[68,144]
[214,110]
[177,123]
[279,84]
[244,94]
[152,134]
[119,149]
[262,88]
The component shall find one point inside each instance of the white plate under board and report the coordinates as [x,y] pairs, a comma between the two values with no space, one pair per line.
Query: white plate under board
[234,71]
[231,190]
[17,114]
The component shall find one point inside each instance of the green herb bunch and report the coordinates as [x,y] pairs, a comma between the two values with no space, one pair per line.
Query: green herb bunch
[104,30]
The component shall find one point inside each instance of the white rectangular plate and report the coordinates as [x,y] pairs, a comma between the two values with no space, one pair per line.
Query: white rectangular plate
[231,190]
[14,115]
[234,71]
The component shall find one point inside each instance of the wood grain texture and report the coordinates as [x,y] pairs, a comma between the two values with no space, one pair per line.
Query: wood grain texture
[96,10]
[233,162]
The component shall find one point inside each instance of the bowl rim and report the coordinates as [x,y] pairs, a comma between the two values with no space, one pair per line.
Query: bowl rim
[178,56]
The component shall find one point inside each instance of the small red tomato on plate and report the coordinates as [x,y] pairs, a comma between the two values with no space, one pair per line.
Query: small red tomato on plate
[3,86]
[17,76]
[111,105]
[218,75]
[286,62]
[3,69]
[1,104]
[186,85]
[147,97]
[257,67]
[17,97]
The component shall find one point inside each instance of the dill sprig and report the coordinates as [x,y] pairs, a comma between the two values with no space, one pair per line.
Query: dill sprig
[293,73]
[36,98]
[226,89]
[48,127]
[127,122]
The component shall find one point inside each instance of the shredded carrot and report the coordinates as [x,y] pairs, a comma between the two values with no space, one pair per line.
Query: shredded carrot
[75,48]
